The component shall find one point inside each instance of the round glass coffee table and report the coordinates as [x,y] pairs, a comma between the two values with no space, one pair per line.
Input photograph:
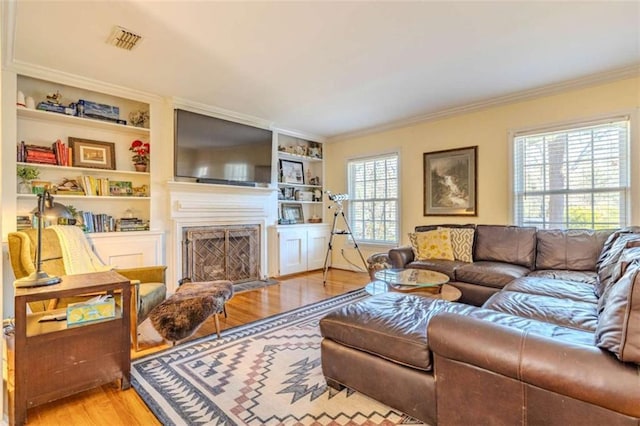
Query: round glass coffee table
[426,282]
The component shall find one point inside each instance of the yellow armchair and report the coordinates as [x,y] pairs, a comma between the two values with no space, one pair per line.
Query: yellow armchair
[148,283]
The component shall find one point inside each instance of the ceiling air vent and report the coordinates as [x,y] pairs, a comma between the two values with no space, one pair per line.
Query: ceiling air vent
[123,38]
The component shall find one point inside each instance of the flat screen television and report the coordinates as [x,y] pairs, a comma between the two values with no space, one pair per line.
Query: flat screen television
[213,150]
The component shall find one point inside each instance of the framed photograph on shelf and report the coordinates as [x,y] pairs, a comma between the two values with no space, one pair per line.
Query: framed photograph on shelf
[291,172]
[93,154]
[120,188]
[292,213]
[450,182]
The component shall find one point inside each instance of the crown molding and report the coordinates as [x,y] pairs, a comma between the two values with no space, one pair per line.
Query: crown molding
[222,113]
[299,134]
[69,79]
[551,89]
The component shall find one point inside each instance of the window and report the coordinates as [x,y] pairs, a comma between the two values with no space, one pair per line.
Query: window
[373,194]
[573,178]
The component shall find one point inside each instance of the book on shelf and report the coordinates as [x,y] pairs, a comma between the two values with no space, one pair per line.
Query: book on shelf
[58,154]
[94,186]
[97,222]
[131,224]
[23,222]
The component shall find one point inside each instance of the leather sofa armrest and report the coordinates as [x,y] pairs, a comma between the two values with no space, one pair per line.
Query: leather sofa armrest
[145,274]
[401,256]
[586,373]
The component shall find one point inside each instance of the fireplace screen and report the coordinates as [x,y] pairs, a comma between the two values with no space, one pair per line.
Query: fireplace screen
[221,253]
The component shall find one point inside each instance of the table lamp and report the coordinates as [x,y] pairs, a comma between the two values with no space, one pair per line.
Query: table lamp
[46,209]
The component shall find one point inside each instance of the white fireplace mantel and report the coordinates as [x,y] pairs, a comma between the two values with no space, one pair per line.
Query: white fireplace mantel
[198,204]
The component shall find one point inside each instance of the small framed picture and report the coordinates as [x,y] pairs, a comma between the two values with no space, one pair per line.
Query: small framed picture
[291,172]
[292,212]
[120,188]
[93,154]
[287,193]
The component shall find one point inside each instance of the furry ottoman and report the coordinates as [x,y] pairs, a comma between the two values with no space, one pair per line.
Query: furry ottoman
[183,313]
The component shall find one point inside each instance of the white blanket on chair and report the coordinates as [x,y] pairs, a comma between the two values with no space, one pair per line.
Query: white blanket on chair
[77,255]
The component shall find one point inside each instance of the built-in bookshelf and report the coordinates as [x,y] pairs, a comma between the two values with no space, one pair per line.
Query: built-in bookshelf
[300,179]
[111,190]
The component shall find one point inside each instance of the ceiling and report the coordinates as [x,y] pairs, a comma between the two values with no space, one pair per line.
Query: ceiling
[331,68]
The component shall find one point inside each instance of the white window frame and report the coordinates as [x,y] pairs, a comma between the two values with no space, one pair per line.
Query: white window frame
[351,192]
[630,170]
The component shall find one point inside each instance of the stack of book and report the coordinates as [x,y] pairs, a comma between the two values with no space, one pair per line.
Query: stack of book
[100,222]
[23,222]
[131,224]
[59,154]
[62,152]
[40,155]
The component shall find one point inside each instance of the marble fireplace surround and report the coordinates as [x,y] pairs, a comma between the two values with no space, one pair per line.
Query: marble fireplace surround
[201,205]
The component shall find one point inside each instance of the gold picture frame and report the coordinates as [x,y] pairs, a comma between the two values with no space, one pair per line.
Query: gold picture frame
[93,154]
[450,182]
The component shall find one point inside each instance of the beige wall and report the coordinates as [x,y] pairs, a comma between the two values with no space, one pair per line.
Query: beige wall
[489,129]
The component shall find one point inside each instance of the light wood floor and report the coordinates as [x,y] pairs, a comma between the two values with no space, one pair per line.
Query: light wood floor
[109,406]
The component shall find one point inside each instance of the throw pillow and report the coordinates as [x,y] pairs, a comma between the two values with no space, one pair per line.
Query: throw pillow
[462,243]
[434,244]
[618,329]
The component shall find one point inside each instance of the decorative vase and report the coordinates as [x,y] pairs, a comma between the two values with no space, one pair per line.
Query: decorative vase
[140,167]
[24,187]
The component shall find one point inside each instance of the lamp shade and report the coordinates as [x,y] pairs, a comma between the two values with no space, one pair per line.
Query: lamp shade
[52,213]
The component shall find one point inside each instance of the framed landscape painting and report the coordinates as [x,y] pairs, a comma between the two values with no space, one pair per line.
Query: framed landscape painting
[450,182]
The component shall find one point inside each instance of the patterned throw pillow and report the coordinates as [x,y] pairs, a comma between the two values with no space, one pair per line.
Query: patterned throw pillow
[434,244]
[462,243]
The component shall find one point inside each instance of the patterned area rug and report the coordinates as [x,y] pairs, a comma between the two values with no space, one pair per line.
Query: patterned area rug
[264,373]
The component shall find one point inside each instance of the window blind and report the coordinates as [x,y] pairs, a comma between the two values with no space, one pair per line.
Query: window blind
[573,178]
[373,194]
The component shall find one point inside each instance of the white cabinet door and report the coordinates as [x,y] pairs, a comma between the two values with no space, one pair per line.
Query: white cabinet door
[128,249]
[317,246]
[293,251]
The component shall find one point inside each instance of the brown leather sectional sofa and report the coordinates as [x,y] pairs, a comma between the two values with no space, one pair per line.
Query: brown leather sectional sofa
[555,342]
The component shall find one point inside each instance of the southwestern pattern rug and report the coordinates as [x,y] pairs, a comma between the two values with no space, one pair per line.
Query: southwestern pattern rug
[263,373]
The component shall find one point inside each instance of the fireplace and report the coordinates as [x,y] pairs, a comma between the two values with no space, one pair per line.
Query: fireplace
[221,252]
[227,226]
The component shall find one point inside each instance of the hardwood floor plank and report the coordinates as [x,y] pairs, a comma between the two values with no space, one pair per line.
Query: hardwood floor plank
[109,406]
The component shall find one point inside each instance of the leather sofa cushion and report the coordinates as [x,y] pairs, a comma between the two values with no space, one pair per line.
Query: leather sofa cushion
[491,274]
[608,264]
[447,267]
[564,312]
[619,327]
[391,325]
[508,244]
[576,249]
[558,288]
[587,277]
[627,257]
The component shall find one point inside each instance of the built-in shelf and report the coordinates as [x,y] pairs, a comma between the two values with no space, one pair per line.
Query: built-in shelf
[296,157]
[88,197]
[34,114]
[299,185]
[299,202]
[84,169]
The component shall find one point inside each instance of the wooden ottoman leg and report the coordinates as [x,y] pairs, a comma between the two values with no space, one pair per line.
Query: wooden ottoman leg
[215,317]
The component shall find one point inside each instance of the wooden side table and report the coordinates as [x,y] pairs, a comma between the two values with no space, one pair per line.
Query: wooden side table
[52,360]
